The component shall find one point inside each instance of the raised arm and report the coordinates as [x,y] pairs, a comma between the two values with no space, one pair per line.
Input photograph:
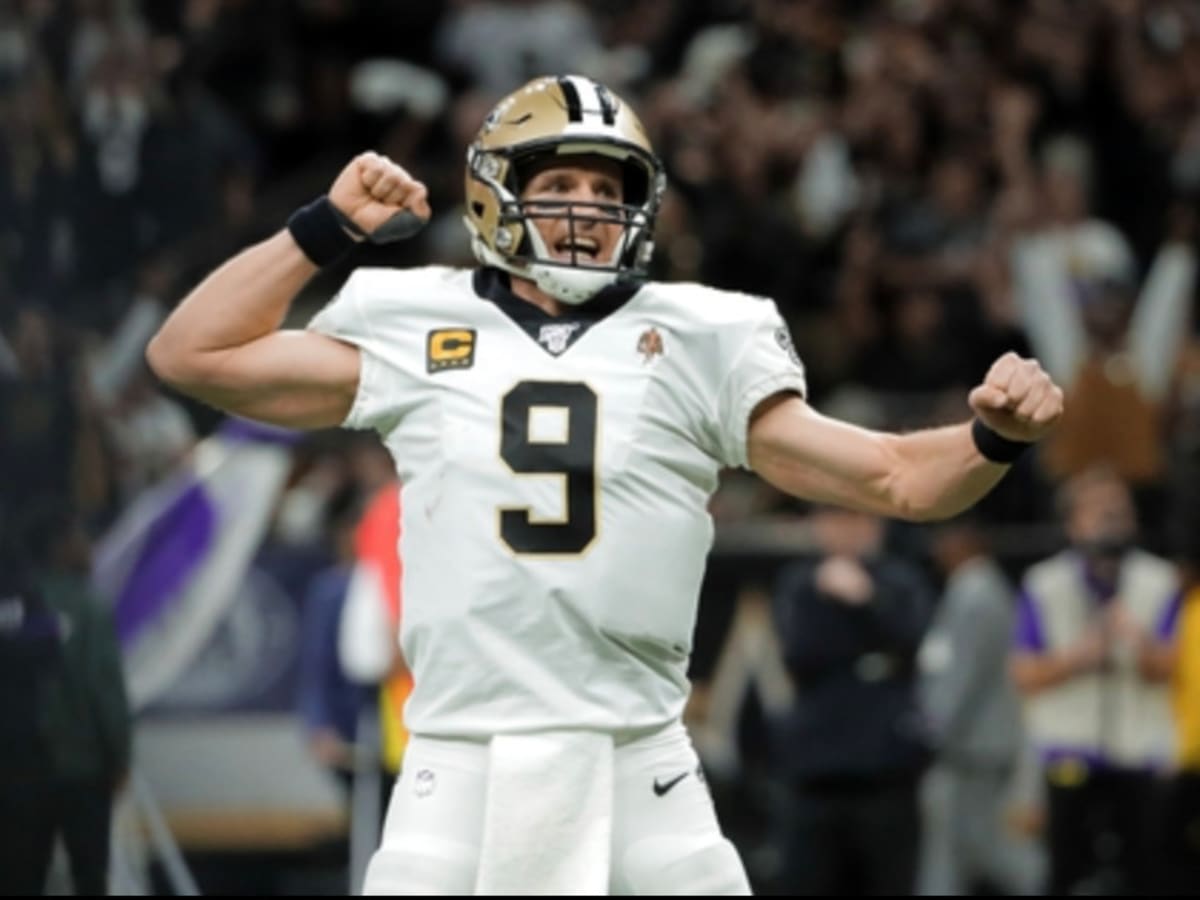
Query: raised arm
[222,344]
[925,475]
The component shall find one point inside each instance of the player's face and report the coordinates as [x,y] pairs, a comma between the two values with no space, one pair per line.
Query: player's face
[587,187]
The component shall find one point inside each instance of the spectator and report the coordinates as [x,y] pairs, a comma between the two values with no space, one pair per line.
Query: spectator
[83,717]
[329,702]
[853,746]
[1093,659]
[30,653]
[1113,347]
[976,719]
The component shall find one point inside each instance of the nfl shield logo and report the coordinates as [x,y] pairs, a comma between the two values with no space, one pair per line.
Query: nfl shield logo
[556,336]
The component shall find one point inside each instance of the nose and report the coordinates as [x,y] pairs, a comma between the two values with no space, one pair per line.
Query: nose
[588,217]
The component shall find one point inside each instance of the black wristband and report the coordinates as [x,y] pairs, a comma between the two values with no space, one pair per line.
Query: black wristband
[996,447]
[320,232]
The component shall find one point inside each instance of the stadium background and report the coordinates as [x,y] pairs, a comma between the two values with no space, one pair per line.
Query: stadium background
[869,165]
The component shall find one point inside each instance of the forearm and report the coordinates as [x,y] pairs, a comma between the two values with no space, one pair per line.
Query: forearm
[936,473]
[243,300]
[1034,673]
[1162,317]
[925,475]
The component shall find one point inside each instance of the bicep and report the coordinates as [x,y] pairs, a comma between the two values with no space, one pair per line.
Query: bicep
[296,379]
[808,455]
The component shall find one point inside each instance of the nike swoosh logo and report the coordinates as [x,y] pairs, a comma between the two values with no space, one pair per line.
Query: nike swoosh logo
[661,787]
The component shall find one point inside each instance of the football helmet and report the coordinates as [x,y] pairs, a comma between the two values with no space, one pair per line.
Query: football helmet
[549,118]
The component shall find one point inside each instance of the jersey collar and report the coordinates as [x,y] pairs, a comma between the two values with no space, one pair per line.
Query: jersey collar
[493,284]
[554,334]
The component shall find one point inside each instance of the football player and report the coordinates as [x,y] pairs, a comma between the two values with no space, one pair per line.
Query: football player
[558,424]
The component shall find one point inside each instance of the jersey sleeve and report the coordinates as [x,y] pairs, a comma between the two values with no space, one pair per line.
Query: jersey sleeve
[764,363]
[347,318]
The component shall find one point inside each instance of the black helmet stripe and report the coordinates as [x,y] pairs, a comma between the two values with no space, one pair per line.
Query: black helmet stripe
[608,109]
[571,95]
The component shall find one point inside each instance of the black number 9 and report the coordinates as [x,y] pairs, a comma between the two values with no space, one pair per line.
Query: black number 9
[573,458]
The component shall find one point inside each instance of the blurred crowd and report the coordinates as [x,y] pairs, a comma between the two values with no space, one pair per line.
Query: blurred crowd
[919,184]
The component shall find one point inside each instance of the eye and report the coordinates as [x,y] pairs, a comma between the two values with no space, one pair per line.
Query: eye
[545,185]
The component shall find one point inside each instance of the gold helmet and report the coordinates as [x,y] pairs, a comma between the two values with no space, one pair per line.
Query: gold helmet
[546,118]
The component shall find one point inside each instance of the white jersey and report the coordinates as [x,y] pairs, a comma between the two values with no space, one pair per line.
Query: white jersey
[555,487]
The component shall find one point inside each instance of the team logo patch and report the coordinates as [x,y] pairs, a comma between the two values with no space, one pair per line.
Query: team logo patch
[450,348]
[784,339]
[650,344]
[556,336]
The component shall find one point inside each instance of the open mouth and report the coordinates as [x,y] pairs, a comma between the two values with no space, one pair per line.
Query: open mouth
[577,249]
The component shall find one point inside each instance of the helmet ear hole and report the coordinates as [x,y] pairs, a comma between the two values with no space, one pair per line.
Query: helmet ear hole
[477,208]
[636,184]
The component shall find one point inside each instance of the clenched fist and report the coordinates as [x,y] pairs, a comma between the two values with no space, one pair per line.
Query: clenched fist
[1017,399]
[380,198]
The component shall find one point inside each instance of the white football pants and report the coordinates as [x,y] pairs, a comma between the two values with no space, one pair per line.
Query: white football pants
[665,836]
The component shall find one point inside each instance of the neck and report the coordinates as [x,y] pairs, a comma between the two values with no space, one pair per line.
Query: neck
[531,293]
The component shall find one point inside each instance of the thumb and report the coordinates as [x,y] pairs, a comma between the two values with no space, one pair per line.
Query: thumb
[987,397]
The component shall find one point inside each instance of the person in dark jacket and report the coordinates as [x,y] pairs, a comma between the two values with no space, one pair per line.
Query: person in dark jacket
[854,746]
[81,719]
[29,651]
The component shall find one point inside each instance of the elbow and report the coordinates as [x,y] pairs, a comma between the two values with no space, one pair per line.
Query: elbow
[902,491]
[917,503]
[158,359]
[166,362]
[914,506]
[174,366]
[923,513]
